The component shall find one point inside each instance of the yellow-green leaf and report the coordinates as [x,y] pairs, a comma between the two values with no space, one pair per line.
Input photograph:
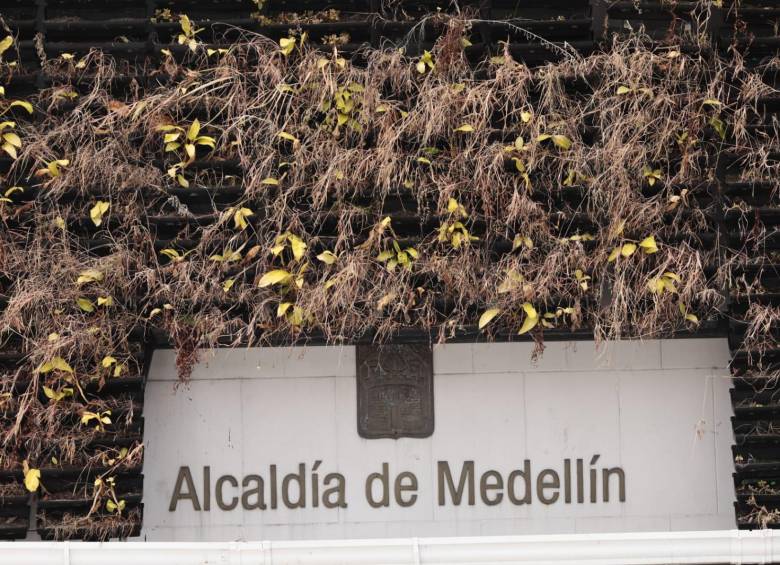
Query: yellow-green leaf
[61,365]
[561,141]
[465,128]
[327,257]
[628,249]
[648,245]
[276,276]
[287,44]
[26,105]
[298,246]
[487,316]
[6,43]
[193,130]
[13,139]
[97,212]
[56,363]
[240,216]
[281,310]
[172,254]
[288,137]
[531,318]
[32,479]
[89,276]
[85,304]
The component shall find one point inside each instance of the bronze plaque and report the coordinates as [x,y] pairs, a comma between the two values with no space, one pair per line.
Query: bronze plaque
[394,391]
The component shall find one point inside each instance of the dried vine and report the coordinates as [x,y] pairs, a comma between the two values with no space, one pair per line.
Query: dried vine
[274,193]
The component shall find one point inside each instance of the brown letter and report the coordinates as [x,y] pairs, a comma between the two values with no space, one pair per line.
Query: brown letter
[510,484]
[300,478]
[467,474]
[384,479]
[220,502]
[184,476]
[400,488]
[484,487]
[257,492]
[541,485]
[339,489]
[206,488]
[621,482]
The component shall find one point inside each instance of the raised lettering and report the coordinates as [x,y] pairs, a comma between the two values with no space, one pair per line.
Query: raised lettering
[466,476]
[339,490]
[401,488]
[510,484]
[384,482]
[605,474]
[541,484]
[220,501]
[300,479]
[486,485]
[184,476]
[257,492]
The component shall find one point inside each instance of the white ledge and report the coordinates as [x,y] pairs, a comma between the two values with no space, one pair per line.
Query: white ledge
[712,547]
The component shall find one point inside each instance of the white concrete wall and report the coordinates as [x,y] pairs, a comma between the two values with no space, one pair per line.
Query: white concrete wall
[658,409]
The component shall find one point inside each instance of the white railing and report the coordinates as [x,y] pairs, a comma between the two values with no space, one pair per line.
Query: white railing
[714,547]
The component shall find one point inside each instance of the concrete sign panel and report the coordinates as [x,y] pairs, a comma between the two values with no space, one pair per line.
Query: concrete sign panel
[263,443]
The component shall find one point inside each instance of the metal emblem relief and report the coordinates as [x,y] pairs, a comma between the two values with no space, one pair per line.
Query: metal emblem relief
[394,391]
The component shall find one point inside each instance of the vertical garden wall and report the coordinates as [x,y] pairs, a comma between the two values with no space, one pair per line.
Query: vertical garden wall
[202,174]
